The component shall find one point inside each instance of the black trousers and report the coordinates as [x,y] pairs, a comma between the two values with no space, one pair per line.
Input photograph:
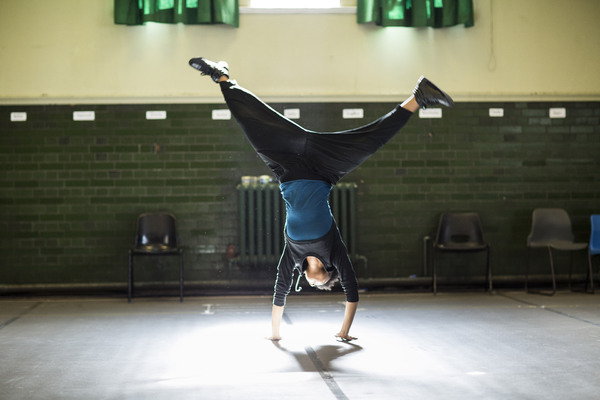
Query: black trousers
[293,152]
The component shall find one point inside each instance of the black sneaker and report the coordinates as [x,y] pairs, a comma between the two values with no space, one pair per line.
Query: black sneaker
[213,69]
[427,94]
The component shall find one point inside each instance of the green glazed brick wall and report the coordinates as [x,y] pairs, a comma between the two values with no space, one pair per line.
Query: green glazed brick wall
[71,190]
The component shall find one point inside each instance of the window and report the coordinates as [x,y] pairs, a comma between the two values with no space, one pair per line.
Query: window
[297,6]
[294,3]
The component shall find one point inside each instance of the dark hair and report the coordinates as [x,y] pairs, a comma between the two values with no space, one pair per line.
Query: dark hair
[330,283]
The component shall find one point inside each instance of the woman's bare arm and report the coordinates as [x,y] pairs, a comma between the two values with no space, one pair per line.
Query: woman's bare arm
[347,323]
[276,315]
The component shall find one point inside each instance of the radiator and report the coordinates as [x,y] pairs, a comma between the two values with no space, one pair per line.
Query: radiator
[262,220]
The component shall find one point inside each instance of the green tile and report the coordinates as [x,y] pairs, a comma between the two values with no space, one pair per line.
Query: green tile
[78,187]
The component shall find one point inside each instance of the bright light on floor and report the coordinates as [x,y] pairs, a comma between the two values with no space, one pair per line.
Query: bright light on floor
[218,352]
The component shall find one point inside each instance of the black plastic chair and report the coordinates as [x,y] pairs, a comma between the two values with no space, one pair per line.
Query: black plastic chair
[551,229]
[461,232]
[156,236]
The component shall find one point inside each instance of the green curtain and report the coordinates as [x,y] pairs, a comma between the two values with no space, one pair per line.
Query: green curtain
[415,13]
[136,12]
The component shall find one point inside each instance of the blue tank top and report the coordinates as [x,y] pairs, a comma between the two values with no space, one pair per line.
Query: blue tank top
[308,215]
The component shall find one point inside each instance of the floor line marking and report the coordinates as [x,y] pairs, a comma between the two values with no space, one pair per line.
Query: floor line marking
[542,307]
[13,319]
[325,375]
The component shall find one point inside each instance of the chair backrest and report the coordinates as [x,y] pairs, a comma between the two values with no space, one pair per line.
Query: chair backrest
[460,228]
[156,230]
[550,224]
[595,235]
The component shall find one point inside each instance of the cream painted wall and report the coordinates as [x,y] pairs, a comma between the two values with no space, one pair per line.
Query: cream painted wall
[69,51]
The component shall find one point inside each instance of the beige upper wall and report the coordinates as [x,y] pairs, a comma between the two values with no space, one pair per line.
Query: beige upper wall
[69,51]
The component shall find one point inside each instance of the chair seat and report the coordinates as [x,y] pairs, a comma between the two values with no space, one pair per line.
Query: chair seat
[155,248]
[560,245]
[462,246]
[569,246]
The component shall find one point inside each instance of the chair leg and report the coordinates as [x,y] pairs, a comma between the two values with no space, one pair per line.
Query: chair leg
[552,270]
[180,276]
[570,271]
[489,272]
[527,270]
[130,281]
[590,273]
[434,272]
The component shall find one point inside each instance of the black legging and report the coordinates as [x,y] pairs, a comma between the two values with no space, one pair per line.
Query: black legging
[293,152]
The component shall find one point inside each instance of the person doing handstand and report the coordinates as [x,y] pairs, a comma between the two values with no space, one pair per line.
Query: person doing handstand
[306,164]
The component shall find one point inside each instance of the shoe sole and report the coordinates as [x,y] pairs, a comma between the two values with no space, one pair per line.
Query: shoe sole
[197,64]
[433,86]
